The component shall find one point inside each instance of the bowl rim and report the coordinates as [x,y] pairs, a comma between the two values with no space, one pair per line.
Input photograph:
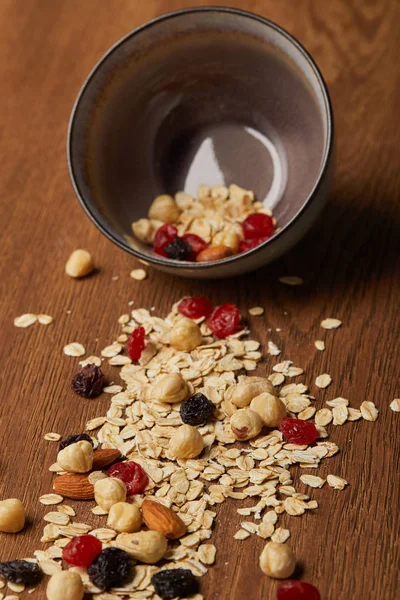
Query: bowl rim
[327,151]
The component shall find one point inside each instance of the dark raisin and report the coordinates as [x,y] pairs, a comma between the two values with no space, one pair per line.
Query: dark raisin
[72,439]
[175,583]
[88,382]
[179,249]
[197,409]
[21,571]
[111,568]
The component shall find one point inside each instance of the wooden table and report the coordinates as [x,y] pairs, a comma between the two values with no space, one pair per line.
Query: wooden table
[349,547]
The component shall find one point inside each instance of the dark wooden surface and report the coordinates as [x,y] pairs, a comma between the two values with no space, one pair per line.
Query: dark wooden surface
[350,263]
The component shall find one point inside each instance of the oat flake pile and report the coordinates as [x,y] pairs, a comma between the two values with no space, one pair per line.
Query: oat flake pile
[188,395]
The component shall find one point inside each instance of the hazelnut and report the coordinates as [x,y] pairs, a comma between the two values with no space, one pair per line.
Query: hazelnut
[145,230]
[124,517]
[169,389]
[270,409]
[277,560]
[230,239]
[76,458]
[146,546]
[65,585]
[186,442]
[165,209]
[185,335]
[109,491]
[12,515]
[79,264]
[243,393]
[214,253]
[245,424]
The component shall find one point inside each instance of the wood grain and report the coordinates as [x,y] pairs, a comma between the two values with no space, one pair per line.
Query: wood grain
[350,263]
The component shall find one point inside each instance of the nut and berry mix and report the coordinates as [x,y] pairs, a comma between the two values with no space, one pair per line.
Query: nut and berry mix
[190,426]
[217,224]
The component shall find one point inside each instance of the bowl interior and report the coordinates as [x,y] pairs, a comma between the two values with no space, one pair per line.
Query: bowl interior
[198,97]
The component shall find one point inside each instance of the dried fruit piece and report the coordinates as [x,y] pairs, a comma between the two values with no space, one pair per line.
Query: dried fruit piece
[174,583]
[164,236]
[21,571]
[257,225]
[136,343]
[82,550]
[298,431]
[196,410]
[89,381]
[250,244]
[224,320]
[132,474]
[111,568]
[178,249]
[195,307]
[196,243]
[73,439]
[297,590]
[163,519]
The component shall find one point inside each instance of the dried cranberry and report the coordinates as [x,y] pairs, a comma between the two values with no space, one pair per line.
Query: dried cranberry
[73,439]
[196,243]
[21,571]
[298,431]
[297,590]
[174,583]
[250,244]
[111,568]
[178,249]
[224,320]
[82,550]
[195,307]
[132,474]
[136,343]
[257,225]
[164,236]
[88,381]
[197,409]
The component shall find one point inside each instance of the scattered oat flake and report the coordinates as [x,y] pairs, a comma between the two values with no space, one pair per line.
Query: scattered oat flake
[291,280]
[112,389]
[52,437]
[74,349]
[312,480]
[276,379]
[56,518]
[241,534]
[337,483]
[354,414]
[340,414]
[323,417]
[45,319]
[331,323]
[206,553]
[369,412]
[273,349]
[91,360]
[256,311]
[395,405]
[320,345]
[49,499]
[15,587]
[95,423]
[110,351]
[138,274]
[25,320]
[337,402]
[322,381]
[49,567]
[280,535]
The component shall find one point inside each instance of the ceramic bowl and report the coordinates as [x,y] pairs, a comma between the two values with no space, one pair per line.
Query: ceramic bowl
[203,96]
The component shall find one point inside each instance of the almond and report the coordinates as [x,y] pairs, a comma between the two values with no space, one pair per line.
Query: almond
[214,253]
[160,518]
[74,486]
[103,458]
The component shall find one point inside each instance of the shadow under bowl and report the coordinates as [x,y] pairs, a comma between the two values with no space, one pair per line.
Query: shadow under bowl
[203,96]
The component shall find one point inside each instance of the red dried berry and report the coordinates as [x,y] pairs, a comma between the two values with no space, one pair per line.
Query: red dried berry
[196,243]
[257,225]
[195,307]
[249,244]
[82,550]
[298,431]
[224,320]
[297,590]
[136,343]
[164,236]
[132,474]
